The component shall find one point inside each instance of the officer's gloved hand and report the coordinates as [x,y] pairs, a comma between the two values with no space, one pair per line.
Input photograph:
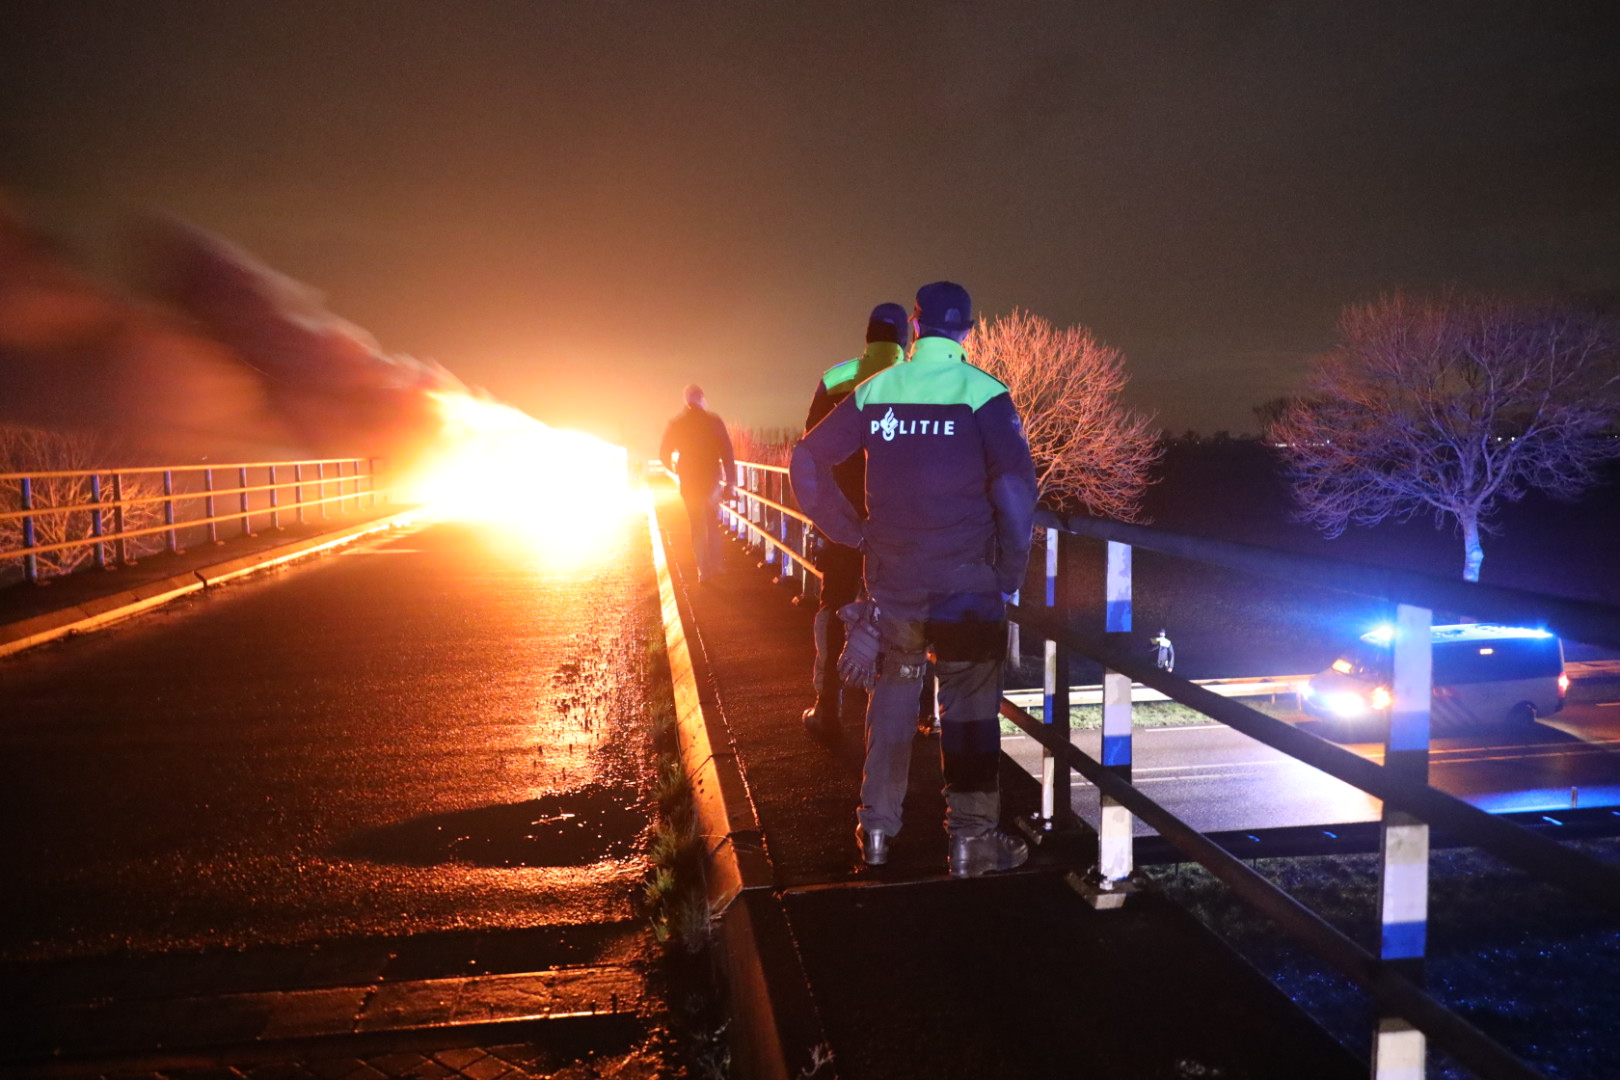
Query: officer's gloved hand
[858,663]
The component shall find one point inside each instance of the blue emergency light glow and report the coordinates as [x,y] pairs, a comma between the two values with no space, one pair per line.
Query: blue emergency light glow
[1382,634]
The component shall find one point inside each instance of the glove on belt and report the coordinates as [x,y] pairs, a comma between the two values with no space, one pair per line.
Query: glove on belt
[858,663]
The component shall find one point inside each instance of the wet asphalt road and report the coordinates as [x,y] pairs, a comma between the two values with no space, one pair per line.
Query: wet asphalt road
[1217,779]
[439,730]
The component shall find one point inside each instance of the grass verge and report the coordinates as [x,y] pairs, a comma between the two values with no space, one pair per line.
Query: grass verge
[1155,714]
[675,893]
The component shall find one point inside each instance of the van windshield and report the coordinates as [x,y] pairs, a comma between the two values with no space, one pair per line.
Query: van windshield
[1457,662]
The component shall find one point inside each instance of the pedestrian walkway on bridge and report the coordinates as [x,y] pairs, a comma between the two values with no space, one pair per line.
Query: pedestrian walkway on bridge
[911,973]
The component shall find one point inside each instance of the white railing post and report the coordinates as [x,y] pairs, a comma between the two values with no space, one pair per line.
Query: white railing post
[1399,1049]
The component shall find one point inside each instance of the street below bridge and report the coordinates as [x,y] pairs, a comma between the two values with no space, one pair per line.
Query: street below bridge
[1219,780]
[418,758]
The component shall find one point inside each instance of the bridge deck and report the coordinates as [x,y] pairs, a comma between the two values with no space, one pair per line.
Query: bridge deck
[915,974]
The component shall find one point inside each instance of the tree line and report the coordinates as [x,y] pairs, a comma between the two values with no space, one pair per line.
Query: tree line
[1451,405]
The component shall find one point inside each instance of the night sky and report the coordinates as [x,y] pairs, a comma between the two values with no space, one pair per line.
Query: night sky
[583,206]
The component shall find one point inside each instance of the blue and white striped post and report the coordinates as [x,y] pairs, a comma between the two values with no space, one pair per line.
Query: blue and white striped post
[784,565]
[242,501]
[1399,1050]
[118,520]
[208,506]
[30,561]
[96,521]
[168,511]
[1056,800]
[1114,854]
[756,509]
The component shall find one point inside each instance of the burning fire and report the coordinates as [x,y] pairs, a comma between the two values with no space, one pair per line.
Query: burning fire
[564,489]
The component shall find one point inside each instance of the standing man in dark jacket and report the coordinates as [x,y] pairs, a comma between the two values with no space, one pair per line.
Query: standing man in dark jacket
[950,499]
[888,330]
[697,449]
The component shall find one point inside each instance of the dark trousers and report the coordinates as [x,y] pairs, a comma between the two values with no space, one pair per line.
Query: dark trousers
[840,568]
[703,514]
[969,655]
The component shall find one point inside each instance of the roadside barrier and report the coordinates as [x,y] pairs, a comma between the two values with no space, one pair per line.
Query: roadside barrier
[764,515]
[65,511]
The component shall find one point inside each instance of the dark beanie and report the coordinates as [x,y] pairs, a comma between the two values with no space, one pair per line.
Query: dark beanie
[889,322]
[944,309]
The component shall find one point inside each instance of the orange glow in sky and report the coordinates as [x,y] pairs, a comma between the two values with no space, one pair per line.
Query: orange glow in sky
[563,491]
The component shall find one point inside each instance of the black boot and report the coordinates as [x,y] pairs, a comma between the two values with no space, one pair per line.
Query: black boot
[821,721]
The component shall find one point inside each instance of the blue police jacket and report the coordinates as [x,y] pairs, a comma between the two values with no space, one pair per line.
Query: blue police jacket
[950,486]
[837,384]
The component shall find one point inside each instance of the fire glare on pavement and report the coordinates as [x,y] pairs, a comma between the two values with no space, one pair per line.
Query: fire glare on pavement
[561,491]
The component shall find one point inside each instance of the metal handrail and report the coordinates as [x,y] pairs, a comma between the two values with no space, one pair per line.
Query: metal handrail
[1596,882]
[188,523]
[1410,802]
[153,469]
[751,519]
[117,504]
[357,482]
[1387,987]
[778,507]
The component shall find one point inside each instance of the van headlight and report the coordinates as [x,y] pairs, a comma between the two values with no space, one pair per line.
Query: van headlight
[1344,703]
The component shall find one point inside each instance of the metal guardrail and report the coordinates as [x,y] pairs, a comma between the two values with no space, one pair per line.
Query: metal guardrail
[186,497]
[784,535]
[1408,1016]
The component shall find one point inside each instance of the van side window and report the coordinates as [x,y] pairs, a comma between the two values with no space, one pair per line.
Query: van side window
[1460,662]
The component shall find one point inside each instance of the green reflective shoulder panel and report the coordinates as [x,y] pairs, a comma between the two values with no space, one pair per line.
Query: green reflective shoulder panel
[839,376]
[936,383]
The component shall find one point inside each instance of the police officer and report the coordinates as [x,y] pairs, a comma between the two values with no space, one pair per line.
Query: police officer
[888,330]
[950,499]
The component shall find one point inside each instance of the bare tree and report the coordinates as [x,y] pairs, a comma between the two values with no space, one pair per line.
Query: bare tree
[25,449]
[1088,448]
[764,446]
[1451,406]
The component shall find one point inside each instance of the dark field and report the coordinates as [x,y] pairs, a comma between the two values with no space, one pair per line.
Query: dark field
[1518,959]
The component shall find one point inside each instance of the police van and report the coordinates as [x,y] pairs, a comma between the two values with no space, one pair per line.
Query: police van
[1484,675]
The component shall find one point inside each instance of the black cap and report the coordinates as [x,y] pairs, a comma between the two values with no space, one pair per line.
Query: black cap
[944,309]
[889,322]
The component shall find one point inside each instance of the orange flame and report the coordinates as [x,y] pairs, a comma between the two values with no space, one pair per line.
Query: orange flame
[564,489]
